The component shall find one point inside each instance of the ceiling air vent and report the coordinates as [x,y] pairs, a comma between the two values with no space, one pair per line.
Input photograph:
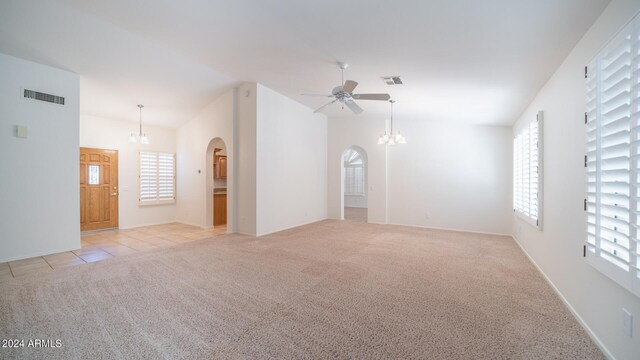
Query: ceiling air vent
[30,94]
[392,80]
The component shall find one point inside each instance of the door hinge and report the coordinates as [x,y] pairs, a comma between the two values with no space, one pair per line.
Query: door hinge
[585,117]
[585,72]
[585,204]
[584,250]
[585,161]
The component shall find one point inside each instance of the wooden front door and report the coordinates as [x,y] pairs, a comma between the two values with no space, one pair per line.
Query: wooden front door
[98,189]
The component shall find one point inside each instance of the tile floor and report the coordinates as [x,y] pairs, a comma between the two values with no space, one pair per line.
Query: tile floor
[100,245]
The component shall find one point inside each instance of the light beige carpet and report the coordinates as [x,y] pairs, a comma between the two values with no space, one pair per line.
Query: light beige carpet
[326,290]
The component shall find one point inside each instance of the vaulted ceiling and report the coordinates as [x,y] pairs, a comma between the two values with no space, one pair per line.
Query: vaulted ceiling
[462,61]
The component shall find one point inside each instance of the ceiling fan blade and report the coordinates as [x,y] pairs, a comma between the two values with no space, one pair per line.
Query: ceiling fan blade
[349,85]
[354,107]
[317,95]
[371,96]
[324,106]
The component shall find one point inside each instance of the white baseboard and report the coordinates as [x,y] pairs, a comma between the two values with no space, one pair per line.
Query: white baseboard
[246,234]
[573,311]
[188,223]
[446,229]
[370,222]
[40,253]
[201,226]
[143,225]
[291,227]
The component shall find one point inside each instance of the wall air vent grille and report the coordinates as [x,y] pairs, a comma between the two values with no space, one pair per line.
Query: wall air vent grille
[30,94]
[392,80]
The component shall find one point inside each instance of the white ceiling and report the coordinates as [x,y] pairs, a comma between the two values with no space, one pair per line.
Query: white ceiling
[463,61]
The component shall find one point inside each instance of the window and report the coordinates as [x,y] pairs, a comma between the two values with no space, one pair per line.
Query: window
[527,172]
[94,174]
[612,161]
[157,178]
[353,173]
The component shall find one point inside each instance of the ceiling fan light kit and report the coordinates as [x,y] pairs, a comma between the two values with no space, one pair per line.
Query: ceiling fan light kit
[391,138]
[144,140]
[344,94]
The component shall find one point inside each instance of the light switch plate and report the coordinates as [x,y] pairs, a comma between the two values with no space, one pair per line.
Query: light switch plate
[21,131]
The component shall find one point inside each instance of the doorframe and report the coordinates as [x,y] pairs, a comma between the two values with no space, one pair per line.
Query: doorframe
[365,159]
[209,183]
[117,171]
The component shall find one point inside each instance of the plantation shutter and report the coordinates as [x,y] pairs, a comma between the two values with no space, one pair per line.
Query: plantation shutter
[359,180]
[166,177]
[157,178]
[612,160]
[534,168]
[148,176]
[527,153]
[349,180]
[354,180]
[353,173]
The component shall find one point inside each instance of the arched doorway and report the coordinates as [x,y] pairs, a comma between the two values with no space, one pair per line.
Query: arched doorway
[217,199]
[354,184]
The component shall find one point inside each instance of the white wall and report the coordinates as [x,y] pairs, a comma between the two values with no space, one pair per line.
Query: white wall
[557,250]
[446,176]
[451,176]
[101,133]
[194,197]
[363,132]
[39,185]
[291,163]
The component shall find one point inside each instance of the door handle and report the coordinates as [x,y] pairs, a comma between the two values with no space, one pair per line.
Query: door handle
[114,194]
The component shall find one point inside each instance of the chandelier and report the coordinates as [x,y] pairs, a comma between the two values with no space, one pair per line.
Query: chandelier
[391,138]
[143,137]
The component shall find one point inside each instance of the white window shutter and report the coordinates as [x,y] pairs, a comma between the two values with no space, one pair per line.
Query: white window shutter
[534,169]
[157,178]
[354,177]
[527,170]
[148,177]
[612,161]
[166,177]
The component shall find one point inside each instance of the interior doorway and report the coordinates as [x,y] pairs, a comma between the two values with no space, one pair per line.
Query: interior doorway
[354,184]
[217,203]
[98,189]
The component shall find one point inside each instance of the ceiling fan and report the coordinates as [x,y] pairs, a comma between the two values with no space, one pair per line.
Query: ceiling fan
[344,94]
